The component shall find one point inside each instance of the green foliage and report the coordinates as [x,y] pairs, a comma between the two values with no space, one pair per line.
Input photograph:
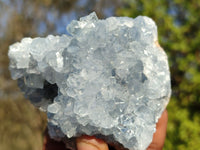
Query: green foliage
[178,24]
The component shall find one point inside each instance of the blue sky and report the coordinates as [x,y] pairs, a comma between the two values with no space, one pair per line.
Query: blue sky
[51,15]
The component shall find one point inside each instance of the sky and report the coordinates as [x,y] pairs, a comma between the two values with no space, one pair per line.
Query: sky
[81,8]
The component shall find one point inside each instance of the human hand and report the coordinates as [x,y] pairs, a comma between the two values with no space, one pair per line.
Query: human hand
[91,143]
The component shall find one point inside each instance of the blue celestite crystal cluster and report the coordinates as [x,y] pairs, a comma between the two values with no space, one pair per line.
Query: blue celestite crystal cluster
[109,77]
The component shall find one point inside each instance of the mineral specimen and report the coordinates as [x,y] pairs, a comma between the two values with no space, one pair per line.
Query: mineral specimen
[109,78]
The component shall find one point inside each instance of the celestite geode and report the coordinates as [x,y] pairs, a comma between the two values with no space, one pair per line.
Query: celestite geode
[110,78]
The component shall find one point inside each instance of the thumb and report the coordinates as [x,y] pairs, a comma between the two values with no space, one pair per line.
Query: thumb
[90,143]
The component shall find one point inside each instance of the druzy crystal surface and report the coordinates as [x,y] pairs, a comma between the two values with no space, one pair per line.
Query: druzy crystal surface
[108,77]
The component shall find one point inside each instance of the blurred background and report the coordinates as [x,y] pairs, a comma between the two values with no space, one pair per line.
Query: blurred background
[22,126]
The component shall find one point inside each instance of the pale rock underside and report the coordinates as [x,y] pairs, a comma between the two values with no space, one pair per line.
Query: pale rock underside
[109,77]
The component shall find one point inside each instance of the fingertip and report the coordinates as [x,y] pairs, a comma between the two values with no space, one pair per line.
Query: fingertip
[163,120]
[90,143]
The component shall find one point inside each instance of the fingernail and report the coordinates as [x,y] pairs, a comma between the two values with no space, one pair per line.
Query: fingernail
[86,146]
[90,143]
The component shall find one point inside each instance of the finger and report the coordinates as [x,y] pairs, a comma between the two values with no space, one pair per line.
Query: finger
[90,143]
[160,134]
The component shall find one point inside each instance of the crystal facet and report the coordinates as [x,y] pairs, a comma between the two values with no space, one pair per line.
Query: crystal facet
[109,78]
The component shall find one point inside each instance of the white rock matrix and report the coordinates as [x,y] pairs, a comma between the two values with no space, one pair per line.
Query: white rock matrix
[108,78]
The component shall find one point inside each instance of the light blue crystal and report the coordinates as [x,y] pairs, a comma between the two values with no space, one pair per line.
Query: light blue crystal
[110,77]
